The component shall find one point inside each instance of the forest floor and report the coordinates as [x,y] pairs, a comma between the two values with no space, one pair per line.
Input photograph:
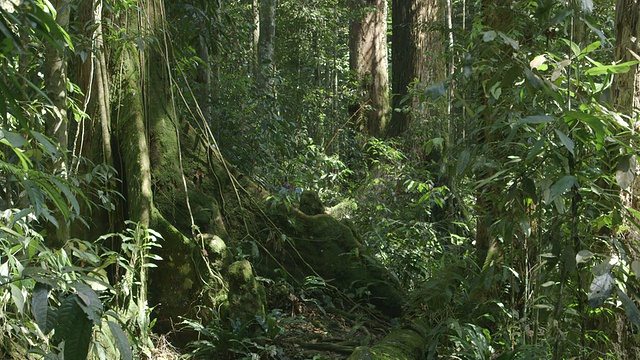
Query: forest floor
[305,330]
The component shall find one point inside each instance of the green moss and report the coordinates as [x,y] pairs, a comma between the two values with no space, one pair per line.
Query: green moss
[400,344]
[321,240]
[246,295]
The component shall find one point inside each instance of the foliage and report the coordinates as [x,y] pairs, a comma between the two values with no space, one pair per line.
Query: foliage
[52,298]
[529,153]
[548,158]
[136,256]
[240,341]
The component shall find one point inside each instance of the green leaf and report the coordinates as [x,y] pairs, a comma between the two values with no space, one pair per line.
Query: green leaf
[630,308]
[533,79]
[463,162]
[611,69]
[566,141]
[89,302]
[529,188]
[54,195]
[18,297]
[562,185]
[603,38]
[489,36]
[583,256]
[509,41]
[76,344]
[15,139]
[591,47]
[69,314]
[45,142]
[574,47]
[600,289]
[625,171]
[122,341]
[433,143]
[40,306]
[67,192]
[537,119]
[594,122]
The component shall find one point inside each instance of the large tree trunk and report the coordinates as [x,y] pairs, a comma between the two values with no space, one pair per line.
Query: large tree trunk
[417,51]
[368,62]
[626,99]
[626,86]
[177,183]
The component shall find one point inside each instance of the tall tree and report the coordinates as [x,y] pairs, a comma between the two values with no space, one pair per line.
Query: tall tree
[57,119]
[368,62]
[626,86]
[497,15]
[417,50]
[266,48]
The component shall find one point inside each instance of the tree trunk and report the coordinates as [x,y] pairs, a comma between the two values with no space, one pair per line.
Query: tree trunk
[418,55]
[626,99]
[266,48]
[626,86]
[176,183]
[496,15]
[368,63]
[57,119]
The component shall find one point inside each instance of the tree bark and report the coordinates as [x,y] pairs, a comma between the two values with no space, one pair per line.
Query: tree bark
[266,48]
[417,51]
[368,63]
[496,15]
[626,99]
[57,118]
[626,86]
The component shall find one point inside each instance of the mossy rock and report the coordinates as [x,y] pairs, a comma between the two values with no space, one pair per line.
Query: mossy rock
[246,295]
[327,247]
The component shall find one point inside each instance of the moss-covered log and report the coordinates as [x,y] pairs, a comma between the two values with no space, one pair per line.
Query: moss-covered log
[405,343]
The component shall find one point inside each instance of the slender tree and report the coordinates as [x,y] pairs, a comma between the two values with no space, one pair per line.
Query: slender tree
[266,48]
[368,62]
[57,119]
[497,15]
[626,87]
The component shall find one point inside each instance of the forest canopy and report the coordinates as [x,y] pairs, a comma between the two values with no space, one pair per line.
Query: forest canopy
[306,179]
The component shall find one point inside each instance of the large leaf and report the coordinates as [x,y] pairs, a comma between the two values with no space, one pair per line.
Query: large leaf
[40,306]
[594,122]
[45,142]
[122,341]
[68,193]
[18,297]
[76,345]
[583,256]
[89,302]
[562,185]
[566,141]
[630,308]
[600,289]
[537,119]
[15,139]
[626,171]
[69,315]
[611,69]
